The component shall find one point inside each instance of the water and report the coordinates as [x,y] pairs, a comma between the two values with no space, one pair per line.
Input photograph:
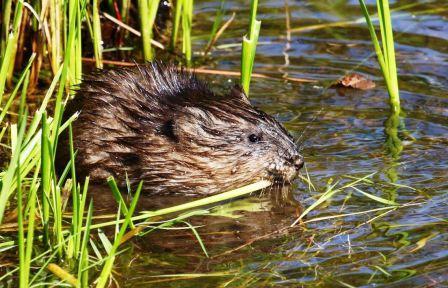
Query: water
[344,136]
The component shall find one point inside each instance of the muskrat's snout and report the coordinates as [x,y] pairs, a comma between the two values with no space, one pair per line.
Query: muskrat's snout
[294,164]
[291,168]
[286,170]
[298,162]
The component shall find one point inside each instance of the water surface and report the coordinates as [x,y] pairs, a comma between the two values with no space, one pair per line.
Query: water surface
[342,135]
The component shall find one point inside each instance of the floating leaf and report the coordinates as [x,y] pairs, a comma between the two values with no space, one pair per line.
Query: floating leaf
[355,81]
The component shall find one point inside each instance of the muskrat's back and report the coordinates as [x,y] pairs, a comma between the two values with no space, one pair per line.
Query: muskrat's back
[163,126]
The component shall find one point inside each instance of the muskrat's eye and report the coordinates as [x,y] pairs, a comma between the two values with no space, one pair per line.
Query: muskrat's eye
[254,138]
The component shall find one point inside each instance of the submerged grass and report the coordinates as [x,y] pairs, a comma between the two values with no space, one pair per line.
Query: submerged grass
[107,268]
[258,275]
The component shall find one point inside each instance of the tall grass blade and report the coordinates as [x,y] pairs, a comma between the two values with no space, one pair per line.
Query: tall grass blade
[83,273]
[76,202]
[8,182]
[30,210]
[117,195]
[242,191]
[11,98]
[5,65]
[107,268]
[23,272]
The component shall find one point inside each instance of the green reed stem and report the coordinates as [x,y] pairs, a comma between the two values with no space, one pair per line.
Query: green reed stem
[10,45]
[148,12]
[125,5]
[176,22]
[386,51]
[24,272]
[32,197]
[68,65]
[7,5]
[97,40]
[56,45]
[24,245]
[249,47]
[187,20]
[18,12]
[45,178]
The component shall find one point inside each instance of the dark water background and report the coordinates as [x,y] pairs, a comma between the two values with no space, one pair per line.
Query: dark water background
[344,136]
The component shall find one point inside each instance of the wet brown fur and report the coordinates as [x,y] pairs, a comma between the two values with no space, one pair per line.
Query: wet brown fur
[164,126]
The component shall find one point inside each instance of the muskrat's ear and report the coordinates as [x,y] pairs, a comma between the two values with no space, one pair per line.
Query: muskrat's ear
[238,92]
[168,130]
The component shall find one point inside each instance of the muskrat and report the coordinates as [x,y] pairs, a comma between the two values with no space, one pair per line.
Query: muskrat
[162,125]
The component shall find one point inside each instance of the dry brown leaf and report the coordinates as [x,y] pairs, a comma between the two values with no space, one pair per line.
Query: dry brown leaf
[355,81]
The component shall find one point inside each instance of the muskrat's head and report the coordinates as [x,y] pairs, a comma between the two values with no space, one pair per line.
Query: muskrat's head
[169,129]
[235,139]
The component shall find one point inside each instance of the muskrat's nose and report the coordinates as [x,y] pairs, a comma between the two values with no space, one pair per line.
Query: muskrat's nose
[298,162]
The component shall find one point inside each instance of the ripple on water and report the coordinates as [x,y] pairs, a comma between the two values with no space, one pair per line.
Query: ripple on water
[344,135]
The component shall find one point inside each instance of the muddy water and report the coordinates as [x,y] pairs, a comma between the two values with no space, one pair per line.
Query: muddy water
[343,134]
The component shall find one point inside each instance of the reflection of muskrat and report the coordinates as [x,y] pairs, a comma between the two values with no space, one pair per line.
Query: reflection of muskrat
[164,126]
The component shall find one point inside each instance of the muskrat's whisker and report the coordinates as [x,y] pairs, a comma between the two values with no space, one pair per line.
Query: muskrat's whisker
[308,125]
